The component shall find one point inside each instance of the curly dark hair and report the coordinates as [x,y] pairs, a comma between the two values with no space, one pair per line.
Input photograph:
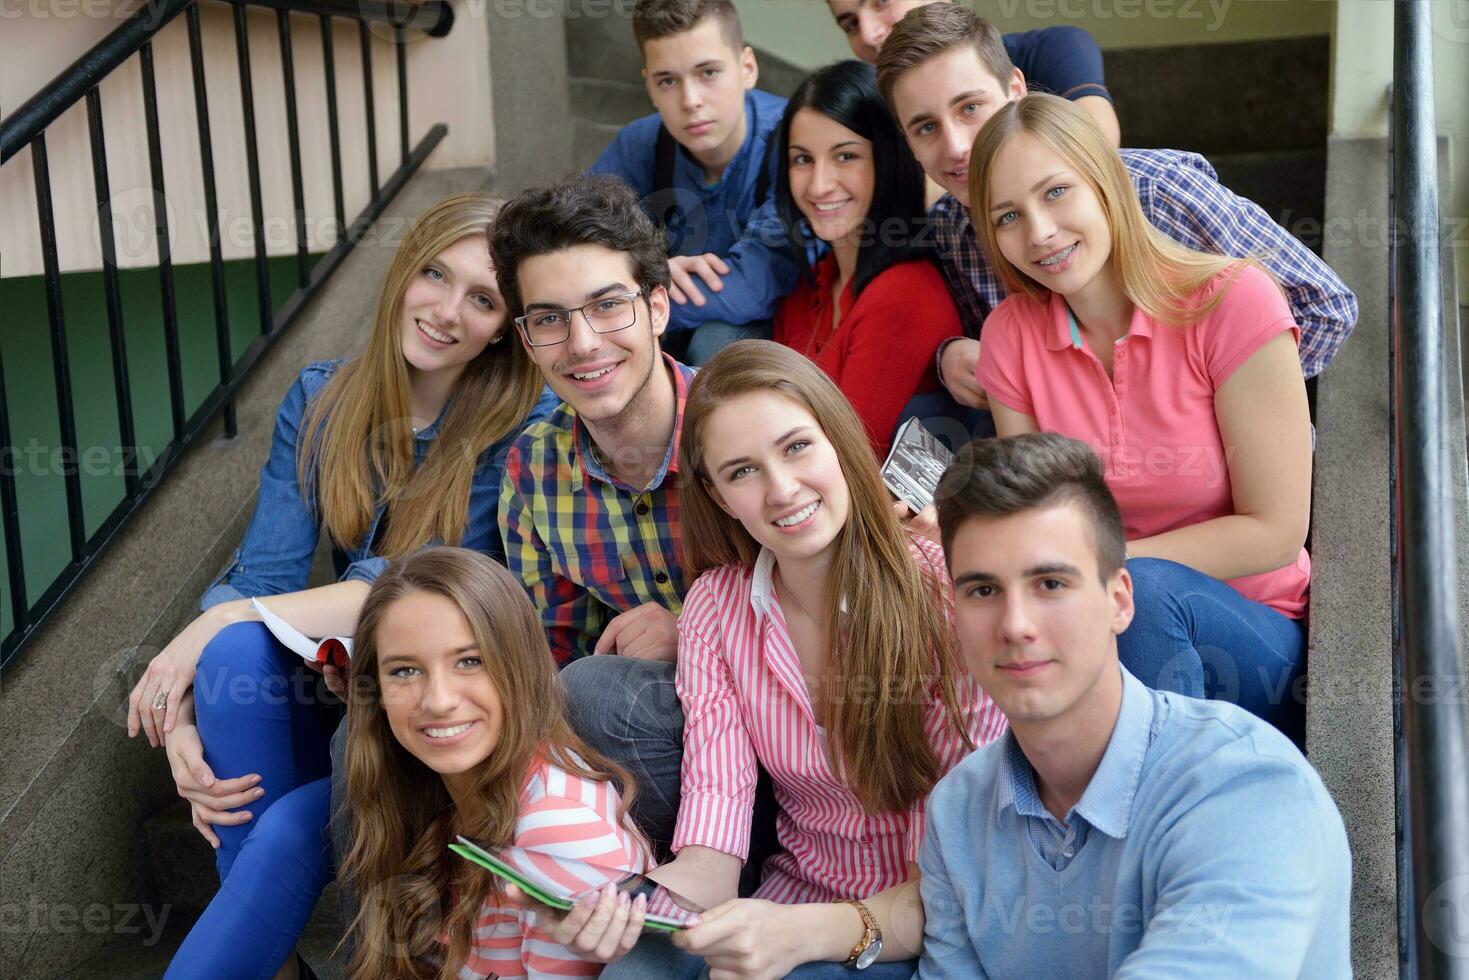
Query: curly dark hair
[596,210]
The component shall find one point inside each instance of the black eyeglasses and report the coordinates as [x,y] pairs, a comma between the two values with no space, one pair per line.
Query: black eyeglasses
[545,328]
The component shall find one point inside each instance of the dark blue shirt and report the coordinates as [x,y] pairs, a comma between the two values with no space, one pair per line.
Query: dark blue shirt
[722,217]
[1062,61]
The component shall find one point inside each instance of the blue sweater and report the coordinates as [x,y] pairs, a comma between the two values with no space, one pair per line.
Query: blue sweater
[1204,845]
[722,217]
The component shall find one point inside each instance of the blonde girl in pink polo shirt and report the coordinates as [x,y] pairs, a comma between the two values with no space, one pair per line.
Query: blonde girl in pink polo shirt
[1180,369]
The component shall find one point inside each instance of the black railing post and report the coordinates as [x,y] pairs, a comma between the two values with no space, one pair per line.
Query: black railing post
[172,356]
[60,363]
[1432,708]
[252,165]
[293,138]
[400,43]
[211,218]
[113,294]
[329,67]
[10,516]
[364,36]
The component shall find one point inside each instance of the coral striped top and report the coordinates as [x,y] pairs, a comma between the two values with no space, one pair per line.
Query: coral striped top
[745,699]
[561,815]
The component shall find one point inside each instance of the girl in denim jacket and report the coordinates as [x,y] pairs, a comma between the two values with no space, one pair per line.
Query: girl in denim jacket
[397,448]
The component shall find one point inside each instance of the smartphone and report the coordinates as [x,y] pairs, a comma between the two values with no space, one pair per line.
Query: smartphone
[915,464]
[557,882]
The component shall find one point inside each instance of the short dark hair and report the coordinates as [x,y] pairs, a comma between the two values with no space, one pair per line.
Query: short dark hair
[895,223]
[1000,477]
[652,19]
[596,210]
[931,30]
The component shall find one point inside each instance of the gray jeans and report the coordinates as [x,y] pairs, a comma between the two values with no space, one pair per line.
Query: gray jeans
[629,711]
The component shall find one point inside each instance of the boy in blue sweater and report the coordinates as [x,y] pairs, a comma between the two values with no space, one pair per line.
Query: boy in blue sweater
[1115,831]
[702,166]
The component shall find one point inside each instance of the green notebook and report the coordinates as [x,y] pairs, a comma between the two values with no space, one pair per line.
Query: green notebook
[518,866]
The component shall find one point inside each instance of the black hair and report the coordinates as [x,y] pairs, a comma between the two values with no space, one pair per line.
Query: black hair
[596,210]
[896,224]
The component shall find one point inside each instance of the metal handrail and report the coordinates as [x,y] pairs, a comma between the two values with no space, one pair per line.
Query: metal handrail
[1433,786]
[26,127]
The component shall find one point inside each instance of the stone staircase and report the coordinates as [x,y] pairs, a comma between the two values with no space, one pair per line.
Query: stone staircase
[1280,159]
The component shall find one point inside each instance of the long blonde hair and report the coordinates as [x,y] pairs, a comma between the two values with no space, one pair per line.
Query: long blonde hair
[886,647]
[413,889]
[356,445]
[1158,275]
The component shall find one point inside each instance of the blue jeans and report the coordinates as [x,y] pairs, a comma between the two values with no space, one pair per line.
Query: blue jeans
[260,709]
[1196,635]
[695,347]
[656,956]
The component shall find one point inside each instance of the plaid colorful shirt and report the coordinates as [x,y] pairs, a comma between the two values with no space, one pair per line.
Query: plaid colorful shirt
[1182,197]
[585,545]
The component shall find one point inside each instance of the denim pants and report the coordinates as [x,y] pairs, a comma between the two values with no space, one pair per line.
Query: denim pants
[1196,635]
[696,346]
[260,709]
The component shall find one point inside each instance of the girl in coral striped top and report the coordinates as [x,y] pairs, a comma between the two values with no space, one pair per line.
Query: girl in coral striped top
[456,728]
[818,643]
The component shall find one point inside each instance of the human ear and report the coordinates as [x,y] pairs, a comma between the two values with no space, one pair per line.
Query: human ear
[658,309]
[1016,88]
[1119,587]
[749,67]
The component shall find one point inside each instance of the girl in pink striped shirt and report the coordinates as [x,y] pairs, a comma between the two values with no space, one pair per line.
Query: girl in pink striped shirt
[456,728]
[817,643]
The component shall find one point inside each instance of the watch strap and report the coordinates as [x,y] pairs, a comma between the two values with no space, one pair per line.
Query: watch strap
[870,930]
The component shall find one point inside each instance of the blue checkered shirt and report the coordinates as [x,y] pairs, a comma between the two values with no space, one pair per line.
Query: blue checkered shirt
[1182,197]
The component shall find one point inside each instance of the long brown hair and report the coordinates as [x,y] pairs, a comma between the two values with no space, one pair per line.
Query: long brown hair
[356,445]
[1158,275]
[886,647]
[413,888]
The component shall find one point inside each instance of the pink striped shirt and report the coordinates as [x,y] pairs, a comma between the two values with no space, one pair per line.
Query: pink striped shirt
[745,699]
[561,815]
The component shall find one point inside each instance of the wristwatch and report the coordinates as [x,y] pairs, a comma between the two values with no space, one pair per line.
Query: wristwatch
[869,947]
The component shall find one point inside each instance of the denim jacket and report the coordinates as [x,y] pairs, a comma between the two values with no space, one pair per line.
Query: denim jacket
[275,556]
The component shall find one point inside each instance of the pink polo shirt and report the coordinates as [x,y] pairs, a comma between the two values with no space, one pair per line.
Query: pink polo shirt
[1153,421]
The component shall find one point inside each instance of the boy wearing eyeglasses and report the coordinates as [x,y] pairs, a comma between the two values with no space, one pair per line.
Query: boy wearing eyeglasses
[589,500]
[701,166]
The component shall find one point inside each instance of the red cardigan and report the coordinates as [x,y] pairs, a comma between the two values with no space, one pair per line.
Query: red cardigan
[881,354]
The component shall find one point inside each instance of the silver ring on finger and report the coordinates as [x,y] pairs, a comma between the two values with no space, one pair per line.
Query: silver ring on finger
[160,700]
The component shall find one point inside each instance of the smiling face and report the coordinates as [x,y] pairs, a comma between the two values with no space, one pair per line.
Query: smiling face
[771,467]
[1036,623]
[598,374]
[1048,221]
[831,174]
[942,104]
[867,23]
[441,703]
[697,82]
[451,309]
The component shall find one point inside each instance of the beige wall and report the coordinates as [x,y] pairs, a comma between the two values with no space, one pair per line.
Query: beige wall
[802,31]
[1362,56]
[449,82]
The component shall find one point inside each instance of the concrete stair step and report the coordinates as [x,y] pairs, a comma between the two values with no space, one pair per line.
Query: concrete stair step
[181,864]
[608,103]
[588,140]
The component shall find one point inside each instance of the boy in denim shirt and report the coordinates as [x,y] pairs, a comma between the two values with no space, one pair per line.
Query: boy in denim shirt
[702,166]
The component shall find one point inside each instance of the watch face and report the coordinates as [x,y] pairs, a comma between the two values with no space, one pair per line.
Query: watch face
[869,955]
